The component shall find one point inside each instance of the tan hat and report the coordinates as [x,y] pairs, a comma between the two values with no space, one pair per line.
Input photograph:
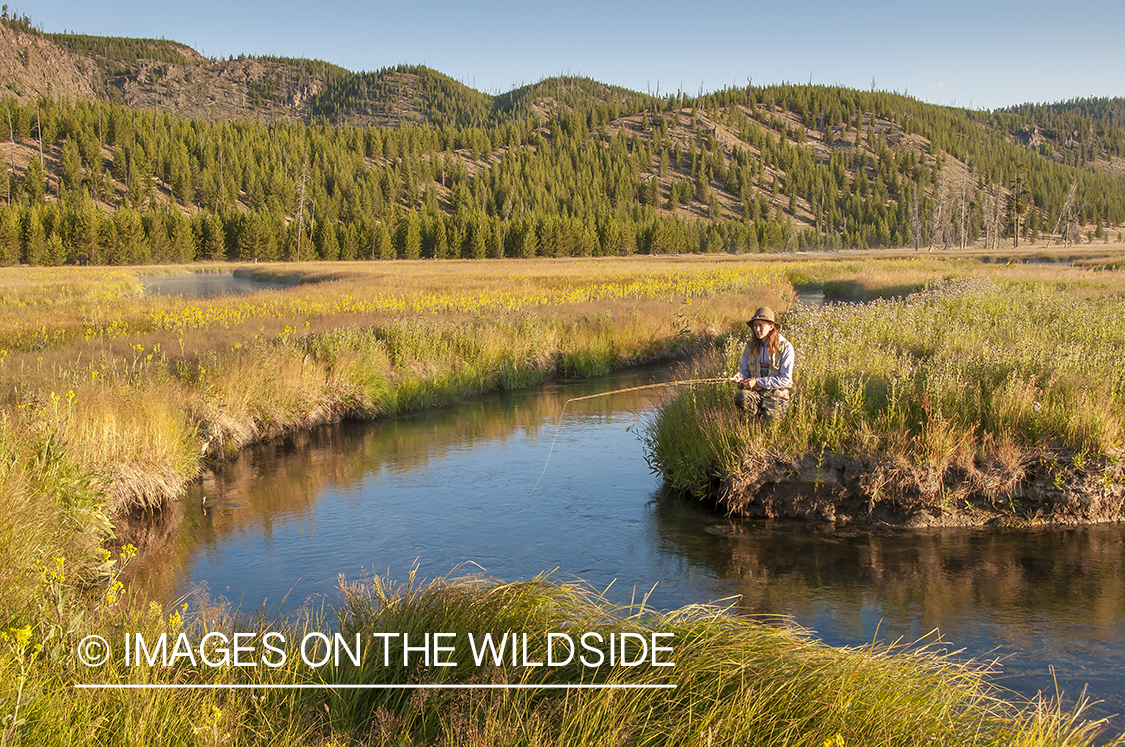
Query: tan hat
[764,313]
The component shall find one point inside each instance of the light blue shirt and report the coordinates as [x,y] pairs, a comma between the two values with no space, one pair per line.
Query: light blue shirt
[784,377]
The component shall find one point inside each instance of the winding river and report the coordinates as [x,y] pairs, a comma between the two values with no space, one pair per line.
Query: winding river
[450,491]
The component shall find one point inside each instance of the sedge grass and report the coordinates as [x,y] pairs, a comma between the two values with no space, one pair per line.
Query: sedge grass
[992,378]
[736,681]
[115,400]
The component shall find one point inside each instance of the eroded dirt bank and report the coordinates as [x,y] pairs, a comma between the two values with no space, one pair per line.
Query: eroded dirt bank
[1044,488]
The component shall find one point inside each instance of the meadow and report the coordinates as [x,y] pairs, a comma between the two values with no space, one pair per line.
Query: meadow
[115,400]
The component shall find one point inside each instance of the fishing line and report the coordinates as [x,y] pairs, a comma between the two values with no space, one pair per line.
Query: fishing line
[558,422]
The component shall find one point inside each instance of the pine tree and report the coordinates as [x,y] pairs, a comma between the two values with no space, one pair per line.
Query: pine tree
[441,249]
[411,237]
[210,237]
[478,240]
[181,243]
[496,241]
[527,242]
[327,243]
[249,238]
[34,181]
[34,237]
[82,234]
[384,247]
[71,164]
[127,244]
[9,235]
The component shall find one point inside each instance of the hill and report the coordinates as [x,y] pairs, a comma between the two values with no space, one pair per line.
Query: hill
[171,77]
[131,150]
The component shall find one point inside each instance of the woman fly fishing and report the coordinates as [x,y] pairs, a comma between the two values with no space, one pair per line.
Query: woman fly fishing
[765,373]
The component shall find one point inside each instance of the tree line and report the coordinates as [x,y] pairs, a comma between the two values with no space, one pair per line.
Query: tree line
[605,172]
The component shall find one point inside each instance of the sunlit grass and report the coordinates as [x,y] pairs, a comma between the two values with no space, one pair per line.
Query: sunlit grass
[992,379]
[114,399]
[734,681]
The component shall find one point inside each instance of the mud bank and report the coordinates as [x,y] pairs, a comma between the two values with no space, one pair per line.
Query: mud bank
[1044,489]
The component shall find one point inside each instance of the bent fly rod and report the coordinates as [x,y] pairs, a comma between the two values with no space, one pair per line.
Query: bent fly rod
[558,422]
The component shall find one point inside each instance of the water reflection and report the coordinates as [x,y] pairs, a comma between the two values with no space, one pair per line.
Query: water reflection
[811,297]
[1033,599]
[204,285]
[451,486]
[437,487]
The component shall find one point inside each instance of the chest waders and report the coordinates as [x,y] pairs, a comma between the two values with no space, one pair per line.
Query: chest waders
[768,404]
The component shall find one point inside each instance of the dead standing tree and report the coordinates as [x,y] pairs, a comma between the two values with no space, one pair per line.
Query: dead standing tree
[963,215]
[1067,213]
[1073,232]
[942,232]
[301,206]
[995,205]
[1000,207]
[1019,203]
[11,164]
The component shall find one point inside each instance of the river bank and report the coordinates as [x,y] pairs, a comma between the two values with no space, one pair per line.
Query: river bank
[976,401]
[1045,488]
[281,523]
[116,400]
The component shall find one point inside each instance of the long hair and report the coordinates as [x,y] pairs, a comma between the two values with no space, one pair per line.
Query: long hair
[772,341]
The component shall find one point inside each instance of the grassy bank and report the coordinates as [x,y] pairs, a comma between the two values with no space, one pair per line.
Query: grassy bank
[735,681]
[992,393]
[114,400]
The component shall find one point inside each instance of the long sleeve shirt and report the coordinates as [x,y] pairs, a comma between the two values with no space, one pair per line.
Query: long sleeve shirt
[779,366]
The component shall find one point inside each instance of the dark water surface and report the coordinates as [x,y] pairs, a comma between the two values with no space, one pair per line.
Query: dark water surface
[204,285]
[451,486]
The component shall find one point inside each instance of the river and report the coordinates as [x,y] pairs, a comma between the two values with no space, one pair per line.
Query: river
[450,491]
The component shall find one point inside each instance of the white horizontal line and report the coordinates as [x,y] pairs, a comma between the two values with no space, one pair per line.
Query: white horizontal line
[452,686]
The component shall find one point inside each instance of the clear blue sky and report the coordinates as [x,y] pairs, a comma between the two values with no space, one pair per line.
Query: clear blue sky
[978,53]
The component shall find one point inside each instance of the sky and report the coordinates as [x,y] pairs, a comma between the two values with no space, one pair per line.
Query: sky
[980,54]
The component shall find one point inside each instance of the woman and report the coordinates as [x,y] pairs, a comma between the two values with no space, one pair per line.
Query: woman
[765,374]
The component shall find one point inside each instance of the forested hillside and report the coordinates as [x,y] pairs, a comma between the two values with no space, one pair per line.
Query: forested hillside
[169,156]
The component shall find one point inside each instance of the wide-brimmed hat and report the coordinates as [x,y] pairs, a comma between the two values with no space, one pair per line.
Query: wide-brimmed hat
[764,313]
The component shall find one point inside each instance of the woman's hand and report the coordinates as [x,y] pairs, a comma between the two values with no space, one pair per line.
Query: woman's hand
[743,383]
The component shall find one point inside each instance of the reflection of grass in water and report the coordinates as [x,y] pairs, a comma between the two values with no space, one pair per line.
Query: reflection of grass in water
[347,455]
[736,682]
[960,576]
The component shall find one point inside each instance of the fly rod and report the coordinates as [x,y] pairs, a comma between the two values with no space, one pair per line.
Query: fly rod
[558,422]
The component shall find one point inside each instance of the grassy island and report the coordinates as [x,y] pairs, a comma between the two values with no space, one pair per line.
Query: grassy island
[961,393]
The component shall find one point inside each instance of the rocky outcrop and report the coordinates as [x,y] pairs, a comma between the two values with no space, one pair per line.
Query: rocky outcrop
[217,90]
[32,67]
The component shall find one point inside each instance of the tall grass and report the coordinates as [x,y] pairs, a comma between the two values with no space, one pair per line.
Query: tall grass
[735,681]
[989,379]
[113,402]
